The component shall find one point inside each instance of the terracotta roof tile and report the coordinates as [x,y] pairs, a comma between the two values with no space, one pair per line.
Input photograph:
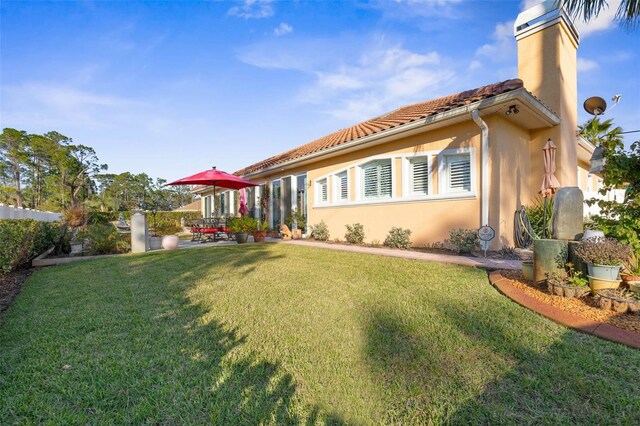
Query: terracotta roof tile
[396,118]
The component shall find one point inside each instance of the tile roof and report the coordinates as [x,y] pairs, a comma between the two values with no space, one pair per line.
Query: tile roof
[398,117]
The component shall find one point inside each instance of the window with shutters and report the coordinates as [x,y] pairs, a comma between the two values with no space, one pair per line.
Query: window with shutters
[419,175]
[376,179]
[458,173]
[342,187]
[322,191]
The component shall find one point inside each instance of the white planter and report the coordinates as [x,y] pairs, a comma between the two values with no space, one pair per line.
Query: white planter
[155,243]
[170,242]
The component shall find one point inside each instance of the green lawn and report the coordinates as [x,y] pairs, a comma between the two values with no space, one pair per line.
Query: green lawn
[274,333]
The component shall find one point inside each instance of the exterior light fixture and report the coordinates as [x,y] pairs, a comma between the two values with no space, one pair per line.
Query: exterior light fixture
[596,106]
[513,109]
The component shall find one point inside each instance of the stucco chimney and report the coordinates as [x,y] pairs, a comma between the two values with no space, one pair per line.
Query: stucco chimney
[547,64]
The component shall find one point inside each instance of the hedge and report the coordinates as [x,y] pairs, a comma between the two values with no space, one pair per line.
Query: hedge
[167,222]
[24,239]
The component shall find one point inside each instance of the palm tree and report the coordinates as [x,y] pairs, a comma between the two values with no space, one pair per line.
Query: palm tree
[628,12]
[602,133]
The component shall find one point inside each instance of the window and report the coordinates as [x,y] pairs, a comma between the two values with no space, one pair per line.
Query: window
[322,195]
[342,187]
[419,176]
[377,179]
[458,173]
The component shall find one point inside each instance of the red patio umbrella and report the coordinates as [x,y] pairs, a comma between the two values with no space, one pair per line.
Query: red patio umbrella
[215,178]
[549,182]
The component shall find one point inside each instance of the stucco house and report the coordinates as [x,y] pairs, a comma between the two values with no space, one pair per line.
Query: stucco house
[463,160]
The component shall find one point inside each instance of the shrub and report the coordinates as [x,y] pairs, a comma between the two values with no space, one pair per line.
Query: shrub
[320,231]
[23,239]
[464,240]
[242,224]
[603,251]
[535,213]
[103,239]
[297,217]
[354,234]
[166,222]
[398,238]
[74,216]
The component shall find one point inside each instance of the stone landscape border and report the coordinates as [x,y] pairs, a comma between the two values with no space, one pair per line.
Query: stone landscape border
[575,322]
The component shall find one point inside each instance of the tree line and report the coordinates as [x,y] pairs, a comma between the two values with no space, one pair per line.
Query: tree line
[51,172]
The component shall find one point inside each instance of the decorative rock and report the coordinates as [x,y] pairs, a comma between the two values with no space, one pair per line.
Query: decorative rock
[605,303]
[567,219]
[620,306]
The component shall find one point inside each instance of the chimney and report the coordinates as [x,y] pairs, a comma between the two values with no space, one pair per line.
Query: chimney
[547,64]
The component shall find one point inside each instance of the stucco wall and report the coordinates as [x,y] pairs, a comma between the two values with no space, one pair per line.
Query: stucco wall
[429,220]
[510,171]
[547,64]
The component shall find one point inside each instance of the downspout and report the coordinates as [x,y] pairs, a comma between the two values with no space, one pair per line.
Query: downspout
[485,166]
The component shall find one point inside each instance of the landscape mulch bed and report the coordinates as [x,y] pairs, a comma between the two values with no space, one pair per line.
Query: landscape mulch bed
[586,306]
[10,285]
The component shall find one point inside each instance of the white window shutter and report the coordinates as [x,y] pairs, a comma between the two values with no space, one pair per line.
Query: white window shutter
[322,191]
[377,179]
[371,181]
[343,185]
[420,176]
[459,173]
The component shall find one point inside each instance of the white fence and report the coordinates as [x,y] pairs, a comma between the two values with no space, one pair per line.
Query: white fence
[613,195]
[11,212]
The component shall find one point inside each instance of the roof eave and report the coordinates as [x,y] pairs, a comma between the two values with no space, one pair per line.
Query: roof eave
[545,117]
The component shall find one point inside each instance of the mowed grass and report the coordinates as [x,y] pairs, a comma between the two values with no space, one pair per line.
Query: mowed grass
[281,334]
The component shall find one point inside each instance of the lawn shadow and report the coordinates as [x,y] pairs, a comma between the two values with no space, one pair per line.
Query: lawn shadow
[217,381]
[569,378]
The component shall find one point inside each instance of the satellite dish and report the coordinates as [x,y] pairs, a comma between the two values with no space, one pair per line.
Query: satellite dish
[595,105]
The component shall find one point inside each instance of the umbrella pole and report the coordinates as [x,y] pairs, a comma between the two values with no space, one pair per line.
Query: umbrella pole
[544,219]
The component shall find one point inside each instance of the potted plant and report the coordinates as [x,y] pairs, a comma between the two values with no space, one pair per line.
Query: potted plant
[297,223]
[604,256]
[241,226]
[631,268]
[570,283]
[260,232]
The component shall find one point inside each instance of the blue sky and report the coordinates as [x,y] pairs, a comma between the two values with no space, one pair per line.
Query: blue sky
[172,88]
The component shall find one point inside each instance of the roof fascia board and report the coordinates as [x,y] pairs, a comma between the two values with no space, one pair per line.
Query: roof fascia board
[586,144]
[418,126]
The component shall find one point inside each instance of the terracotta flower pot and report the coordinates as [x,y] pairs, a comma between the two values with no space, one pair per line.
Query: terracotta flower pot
[259,236]
[627,278]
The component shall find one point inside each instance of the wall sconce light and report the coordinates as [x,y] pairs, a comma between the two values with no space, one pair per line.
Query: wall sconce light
[513,109]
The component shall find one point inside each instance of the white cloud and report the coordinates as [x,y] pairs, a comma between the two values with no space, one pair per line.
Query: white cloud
[474,65]
[585,65]
[526,4]
[604,21]
[56,105]
[253,9]
[503,46]
[282,29]
[352,84]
